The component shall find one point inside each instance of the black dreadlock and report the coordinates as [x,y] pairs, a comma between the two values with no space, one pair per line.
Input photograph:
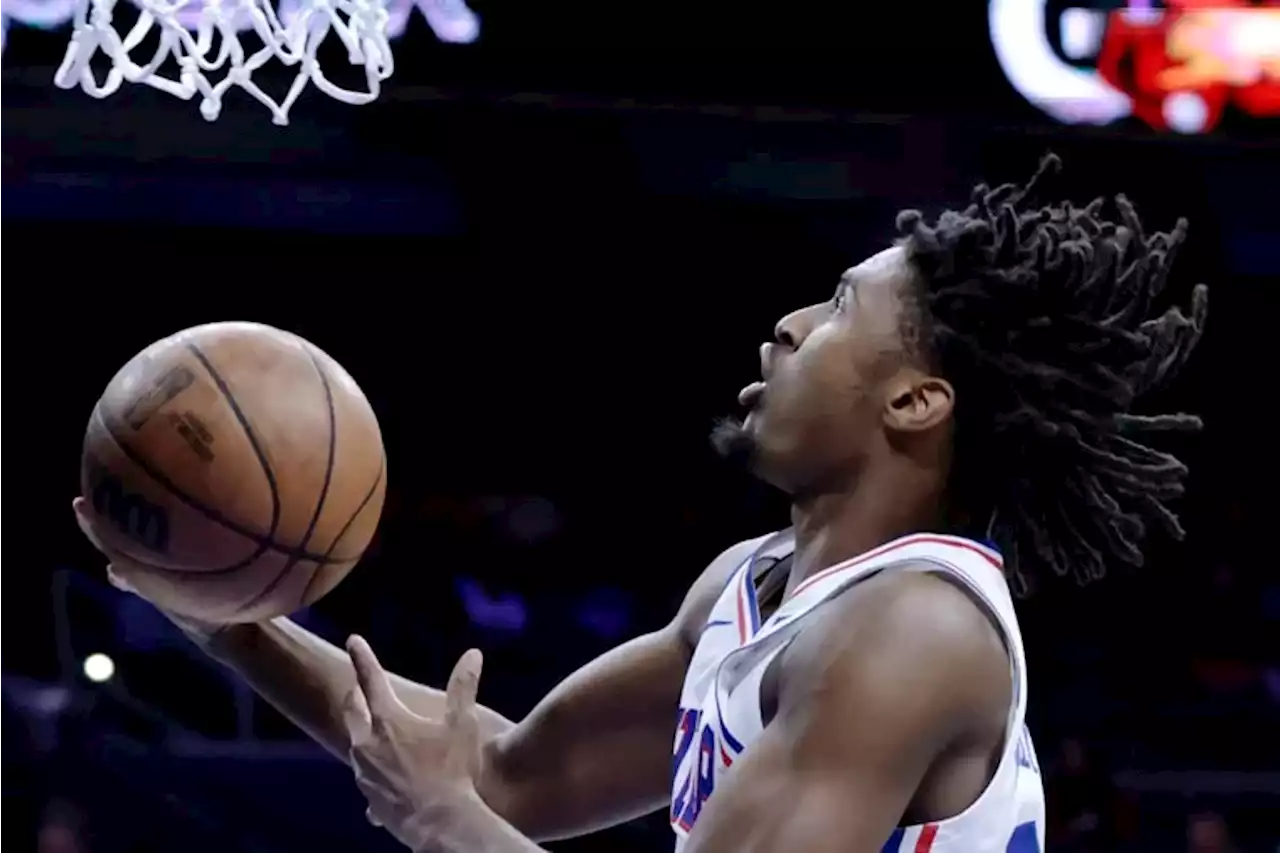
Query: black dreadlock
[1039,317]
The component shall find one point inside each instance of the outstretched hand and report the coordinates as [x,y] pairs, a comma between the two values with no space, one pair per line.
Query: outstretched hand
[415,772]
[120,568]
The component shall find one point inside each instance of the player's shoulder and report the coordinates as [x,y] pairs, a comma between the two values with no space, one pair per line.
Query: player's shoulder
[917,624]
[706,589]
[905,658]
[919,602]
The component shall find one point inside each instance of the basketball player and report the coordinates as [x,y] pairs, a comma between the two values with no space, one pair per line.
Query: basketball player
[956,417]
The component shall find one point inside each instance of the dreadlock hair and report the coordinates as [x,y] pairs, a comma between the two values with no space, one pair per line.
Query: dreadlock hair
[1040,317]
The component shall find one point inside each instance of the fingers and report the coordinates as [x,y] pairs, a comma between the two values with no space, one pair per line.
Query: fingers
[460,714]
[372,679]
[116,579]
[84,518]
[356,717]
[383,800]
[464,682]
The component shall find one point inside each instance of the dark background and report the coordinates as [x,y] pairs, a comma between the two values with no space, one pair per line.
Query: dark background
[548,257]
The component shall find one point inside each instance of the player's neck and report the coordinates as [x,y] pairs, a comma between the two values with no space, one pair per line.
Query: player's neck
[834,527]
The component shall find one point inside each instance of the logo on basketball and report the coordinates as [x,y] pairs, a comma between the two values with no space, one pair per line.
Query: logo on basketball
[168,385]
[130,514]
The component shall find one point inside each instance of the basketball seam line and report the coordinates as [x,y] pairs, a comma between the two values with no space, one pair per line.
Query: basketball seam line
[324,487]
[377,481]
[243,419]
[299,553]
[264,543]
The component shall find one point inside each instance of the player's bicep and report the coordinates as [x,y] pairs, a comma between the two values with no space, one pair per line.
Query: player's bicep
[770,805]
[865,708]
[808,783]
[597,750]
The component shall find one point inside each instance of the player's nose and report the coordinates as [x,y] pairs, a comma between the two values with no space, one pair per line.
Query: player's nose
[782,333]
[790,331]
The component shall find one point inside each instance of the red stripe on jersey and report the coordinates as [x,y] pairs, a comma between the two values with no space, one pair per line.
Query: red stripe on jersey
[927,833]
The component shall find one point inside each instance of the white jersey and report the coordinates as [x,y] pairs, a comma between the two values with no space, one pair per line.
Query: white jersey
[720,713]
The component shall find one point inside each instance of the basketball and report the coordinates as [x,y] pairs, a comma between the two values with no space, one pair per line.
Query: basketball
[240,466]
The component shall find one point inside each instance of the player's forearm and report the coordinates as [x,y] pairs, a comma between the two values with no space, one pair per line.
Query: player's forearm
[542,775]
[307,679]
[471,828]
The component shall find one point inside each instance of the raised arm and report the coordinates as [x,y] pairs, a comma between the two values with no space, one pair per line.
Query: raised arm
[593,753]
[306,678]
[597,750]
[896,673]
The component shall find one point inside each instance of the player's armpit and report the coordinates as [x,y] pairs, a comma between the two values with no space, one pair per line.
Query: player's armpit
[869,697]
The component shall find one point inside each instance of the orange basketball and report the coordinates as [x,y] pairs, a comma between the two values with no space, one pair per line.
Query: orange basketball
[240,465]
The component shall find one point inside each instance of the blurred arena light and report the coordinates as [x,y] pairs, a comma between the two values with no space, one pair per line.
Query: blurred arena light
[99,668]
[1177,65]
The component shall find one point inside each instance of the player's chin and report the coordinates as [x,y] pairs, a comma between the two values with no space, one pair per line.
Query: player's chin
[732,439]
[748,445]
[761,446]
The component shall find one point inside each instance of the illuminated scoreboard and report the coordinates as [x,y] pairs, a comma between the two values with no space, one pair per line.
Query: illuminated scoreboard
[1177,66]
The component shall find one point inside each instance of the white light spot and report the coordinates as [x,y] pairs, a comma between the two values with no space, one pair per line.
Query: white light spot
[98,667]
[1080,31]
[1186,112]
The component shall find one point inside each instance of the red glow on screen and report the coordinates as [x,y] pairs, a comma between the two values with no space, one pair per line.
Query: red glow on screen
[1176,68]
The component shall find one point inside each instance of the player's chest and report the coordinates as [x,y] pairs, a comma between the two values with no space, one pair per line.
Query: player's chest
[723,705]
[702,752]
[717,721]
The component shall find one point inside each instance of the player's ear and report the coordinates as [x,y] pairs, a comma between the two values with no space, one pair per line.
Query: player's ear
[916,401]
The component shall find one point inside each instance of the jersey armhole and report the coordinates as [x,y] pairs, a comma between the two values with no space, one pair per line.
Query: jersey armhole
[955,576]
[1014,718]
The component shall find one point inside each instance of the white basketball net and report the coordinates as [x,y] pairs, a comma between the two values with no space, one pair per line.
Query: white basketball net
[360,24]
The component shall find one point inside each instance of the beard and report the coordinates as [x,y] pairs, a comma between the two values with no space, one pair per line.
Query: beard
[733,442]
